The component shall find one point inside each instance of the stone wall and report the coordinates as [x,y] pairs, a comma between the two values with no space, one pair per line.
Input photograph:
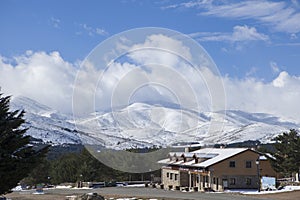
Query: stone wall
[170,178]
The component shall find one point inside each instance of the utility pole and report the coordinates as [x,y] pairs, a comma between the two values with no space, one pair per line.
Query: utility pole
[258,173]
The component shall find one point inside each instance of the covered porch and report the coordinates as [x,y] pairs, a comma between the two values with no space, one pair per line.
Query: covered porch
[199,180]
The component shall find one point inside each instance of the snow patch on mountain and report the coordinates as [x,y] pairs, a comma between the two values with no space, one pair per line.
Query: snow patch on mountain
[144,125]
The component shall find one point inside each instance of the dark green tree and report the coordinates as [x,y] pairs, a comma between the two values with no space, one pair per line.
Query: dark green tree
[39,175]
[17,156]
[65,169]
[287,154]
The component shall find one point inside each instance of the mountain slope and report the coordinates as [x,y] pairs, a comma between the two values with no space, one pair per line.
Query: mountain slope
[45,123]
[142,125]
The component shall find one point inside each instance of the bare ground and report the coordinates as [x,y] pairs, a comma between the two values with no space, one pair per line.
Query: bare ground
[146,194]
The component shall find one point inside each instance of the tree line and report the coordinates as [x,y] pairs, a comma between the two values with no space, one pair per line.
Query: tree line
[75,167]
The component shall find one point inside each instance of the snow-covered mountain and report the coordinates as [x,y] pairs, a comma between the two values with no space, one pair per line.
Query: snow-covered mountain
[47,124]
[141,125]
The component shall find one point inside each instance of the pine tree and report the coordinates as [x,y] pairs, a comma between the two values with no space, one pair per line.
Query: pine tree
[65,169]
[287,154]
[17,156]
[39,175]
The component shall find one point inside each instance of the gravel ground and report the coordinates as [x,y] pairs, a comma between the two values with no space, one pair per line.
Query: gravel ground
[146,193]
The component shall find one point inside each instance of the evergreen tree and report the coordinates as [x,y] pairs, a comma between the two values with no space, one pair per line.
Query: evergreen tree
[39,175]
[287,154]
[17,156]
[65,169]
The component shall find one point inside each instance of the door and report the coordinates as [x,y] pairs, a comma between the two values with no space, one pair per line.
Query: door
[225,183]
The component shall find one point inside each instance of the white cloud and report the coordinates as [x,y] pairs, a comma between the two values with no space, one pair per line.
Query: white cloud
[274,67]
[281,16]
[245,9]
[44,77]
[190,4]
[293,36]
[55,22]
[281,80]
[252,71]
[165,50]
[239,34]
[278,97]
[159,65]
[92,31]
[101,31]
[49,79]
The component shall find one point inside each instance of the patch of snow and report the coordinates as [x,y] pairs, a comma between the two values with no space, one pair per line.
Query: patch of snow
[82,188]
[63,186]
[72,196]
[135,185]
[38,193]
[18,188]
[126,198]
[292,187]
[245,191]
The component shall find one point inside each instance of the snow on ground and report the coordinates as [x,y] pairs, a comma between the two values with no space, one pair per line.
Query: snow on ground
[133,198]
[135,185]
[292,187]
[82,188]
[70,187]
[71,197]
[285,189]
[38,193]
[63,186]
[18,188]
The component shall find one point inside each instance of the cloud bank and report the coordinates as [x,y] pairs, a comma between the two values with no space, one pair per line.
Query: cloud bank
[42,76]
[49,79]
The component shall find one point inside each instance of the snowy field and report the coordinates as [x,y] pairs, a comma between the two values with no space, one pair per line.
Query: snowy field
[285,189]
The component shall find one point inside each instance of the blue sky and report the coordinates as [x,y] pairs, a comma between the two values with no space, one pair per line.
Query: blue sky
[248,40]
[74,28]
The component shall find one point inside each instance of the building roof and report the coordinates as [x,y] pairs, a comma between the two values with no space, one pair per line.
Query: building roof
[210,155]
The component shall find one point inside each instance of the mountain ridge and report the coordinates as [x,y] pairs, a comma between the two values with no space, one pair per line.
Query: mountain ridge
[144,125]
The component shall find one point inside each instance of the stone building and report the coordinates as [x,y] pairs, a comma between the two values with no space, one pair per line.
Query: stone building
[215,169]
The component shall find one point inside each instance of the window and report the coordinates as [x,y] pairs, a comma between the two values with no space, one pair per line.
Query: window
[248,164]
[171,176]
[232,181]
[176,177]
[248,181]
[232,164]
[167,174]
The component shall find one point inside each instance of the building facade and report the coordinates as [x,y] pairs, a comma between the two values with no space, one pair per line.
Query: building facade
[215,169]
